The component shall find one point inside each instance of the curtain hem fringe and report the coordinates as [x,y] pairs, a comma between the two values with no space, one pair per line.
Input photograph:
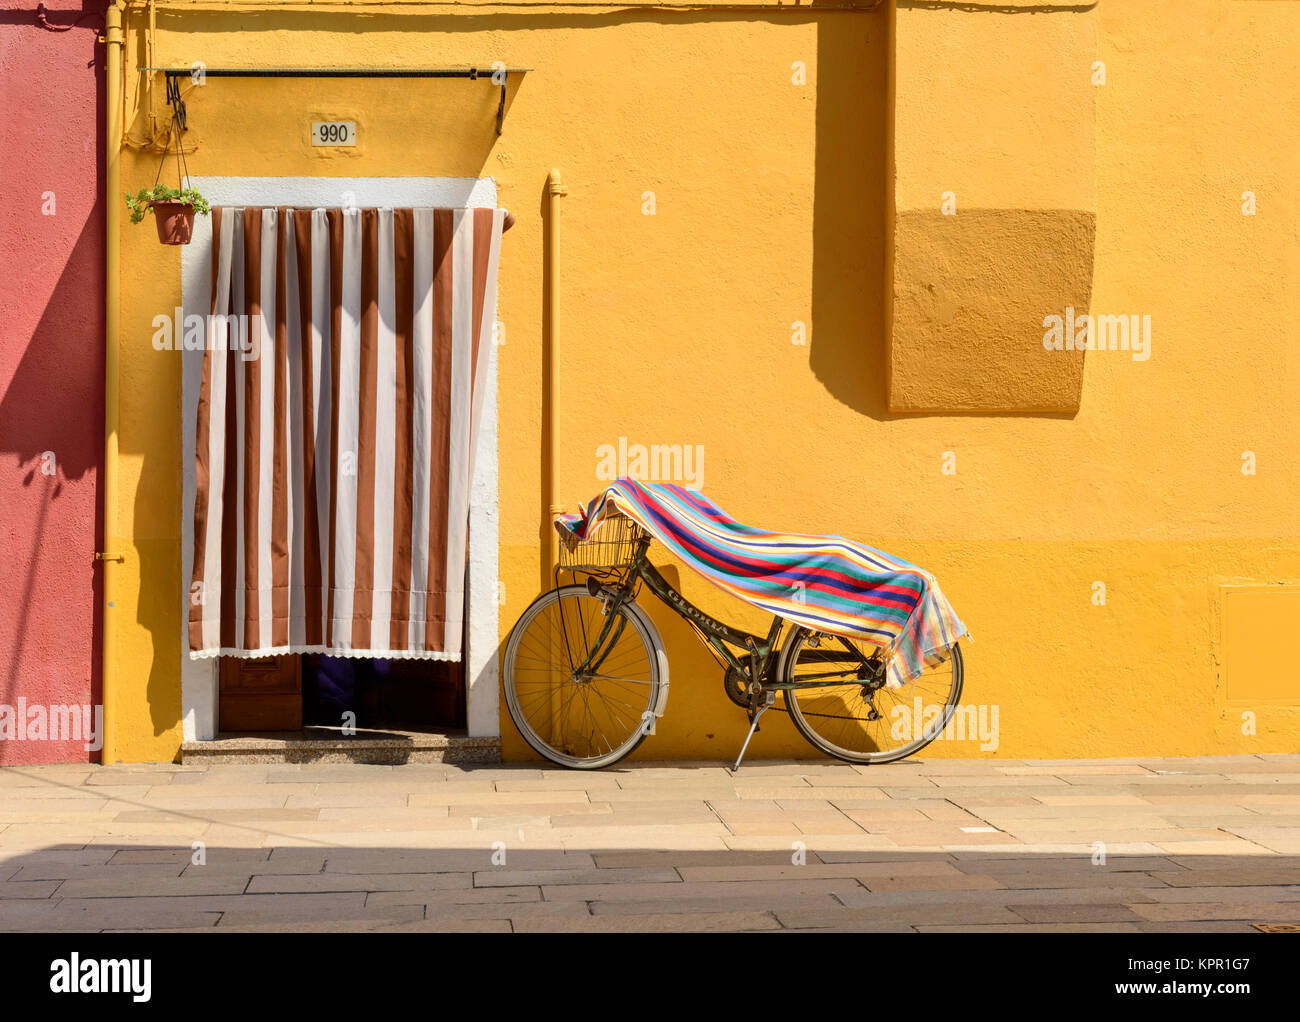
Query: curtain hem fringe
[356,654]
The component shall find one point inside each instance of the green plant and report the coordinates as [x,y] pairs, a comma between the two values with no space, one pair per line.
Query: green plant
[138,203]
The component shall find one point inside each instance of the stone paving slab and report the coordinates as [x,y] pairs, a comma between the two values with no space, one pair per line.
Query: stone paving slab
[986,845]
[1010,897]
[656,923]
[1038,928]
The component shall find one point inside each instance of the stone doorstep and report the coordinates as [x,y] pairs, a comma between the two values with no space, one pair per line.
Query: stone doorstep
[389,751]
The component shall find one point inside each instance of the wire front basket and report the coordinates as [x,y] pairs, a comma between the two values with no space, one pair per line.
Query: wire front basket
[611,549]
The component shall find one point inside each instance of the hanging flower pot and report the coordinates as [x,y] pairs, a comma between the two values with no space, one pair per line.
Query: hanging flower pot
[175,222]
[173,210]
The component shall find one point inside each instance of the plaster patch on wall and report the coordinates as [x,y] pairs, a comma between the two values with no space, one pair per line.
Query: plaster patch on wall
[1259,643]
[971,292]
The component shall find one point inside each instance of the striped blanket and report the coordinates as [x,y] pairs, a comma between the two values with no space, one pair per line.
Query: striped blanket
[826,583]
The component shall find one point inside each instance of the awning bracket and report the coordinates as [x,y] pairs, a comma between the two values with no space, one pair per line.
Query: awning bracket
[178,104]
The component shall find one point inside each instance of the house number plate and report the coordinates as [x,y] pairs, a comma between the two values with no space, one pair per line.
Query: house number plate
[333,132]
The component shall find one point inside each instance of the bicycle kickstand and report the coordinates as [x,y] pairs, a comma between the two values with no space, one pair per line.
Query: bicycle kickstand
[768,699]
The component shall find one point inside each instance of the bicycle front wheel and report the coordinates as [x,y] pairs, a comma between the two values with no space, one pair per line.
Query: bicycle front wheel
[581,686]
[834,705]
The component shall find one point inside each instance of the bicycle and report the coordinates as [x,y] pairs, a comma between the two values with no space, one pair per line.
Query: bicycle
[586,674]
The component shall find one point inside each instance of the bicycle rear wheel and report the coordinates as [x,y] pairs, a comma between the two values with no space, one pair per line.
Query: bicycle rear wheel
[578,692]
[847,716]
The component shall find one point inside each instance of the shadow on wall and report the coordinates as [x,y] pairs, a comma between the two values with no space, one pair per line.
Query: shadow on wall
[847,345]
[42,409]
[43,423]
[959,281]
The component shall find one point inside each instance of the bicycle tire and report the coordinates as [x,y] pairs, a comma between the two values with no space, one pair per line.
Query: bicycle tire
[789,659]
[635,617]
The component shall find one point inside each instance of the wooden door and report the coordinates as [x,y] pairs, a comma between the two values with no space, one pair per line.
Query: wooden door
[261,695]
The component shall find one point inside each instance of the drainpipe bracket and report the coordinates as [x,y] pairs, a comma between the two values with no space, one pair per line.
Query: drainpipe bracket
[100,555]
[501,106]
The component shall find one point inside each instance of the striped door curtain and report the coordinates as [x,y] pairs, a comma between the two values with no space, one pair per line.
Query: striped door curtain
[343,380]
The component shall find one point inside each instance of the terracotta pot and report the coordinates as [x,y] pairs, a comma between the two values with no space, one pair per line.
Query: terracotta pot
[175,221]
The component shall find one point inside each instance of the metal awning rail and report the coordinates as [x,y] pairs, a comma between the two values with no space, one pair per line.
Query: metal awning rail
[174,74]
[340,72]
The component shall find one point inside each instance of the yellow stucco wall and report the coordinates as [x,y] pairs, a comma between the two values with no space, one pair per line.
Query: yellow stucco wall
[771,207]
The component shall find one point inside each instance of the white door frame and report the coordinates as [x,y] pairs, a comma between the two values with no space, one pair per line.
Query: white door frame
[199,677]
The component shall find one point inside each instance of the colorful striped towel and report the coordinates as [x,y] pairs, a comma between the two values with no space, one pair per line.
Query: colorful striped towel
[826,583]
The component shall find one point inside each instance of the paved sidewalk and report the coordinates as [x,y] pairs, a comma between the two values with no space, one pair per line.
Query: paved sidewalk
[1116,845]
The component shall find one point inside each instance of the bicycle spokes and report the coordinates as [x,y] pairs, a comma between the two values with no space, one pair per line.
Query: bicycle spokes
[582,678]
[840,702]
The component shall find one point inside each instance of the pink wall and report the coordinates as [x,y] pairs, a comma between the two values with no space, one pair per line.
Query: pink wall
[51,362]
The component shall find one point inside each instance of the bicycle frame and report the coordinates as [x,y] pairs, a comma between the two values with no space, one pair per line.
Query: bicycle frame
[760,651]
[786,661]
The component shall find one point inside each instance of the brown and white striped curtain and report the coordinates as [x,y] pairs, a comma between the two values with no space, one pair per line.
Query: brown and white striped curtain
[336,426]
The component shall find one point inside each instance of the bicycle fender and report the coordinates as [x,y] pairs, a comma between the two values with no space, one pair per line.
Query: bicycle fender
[661,657]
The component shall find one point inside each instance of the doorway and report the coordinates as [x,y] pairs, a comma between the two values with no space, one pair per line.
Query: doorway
[311,690]
[479,674]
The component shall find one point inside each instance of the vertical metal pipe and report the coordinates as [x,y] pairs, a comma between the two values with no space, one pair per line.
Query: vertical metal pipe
[109,557]
[150,75]
[555,190]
